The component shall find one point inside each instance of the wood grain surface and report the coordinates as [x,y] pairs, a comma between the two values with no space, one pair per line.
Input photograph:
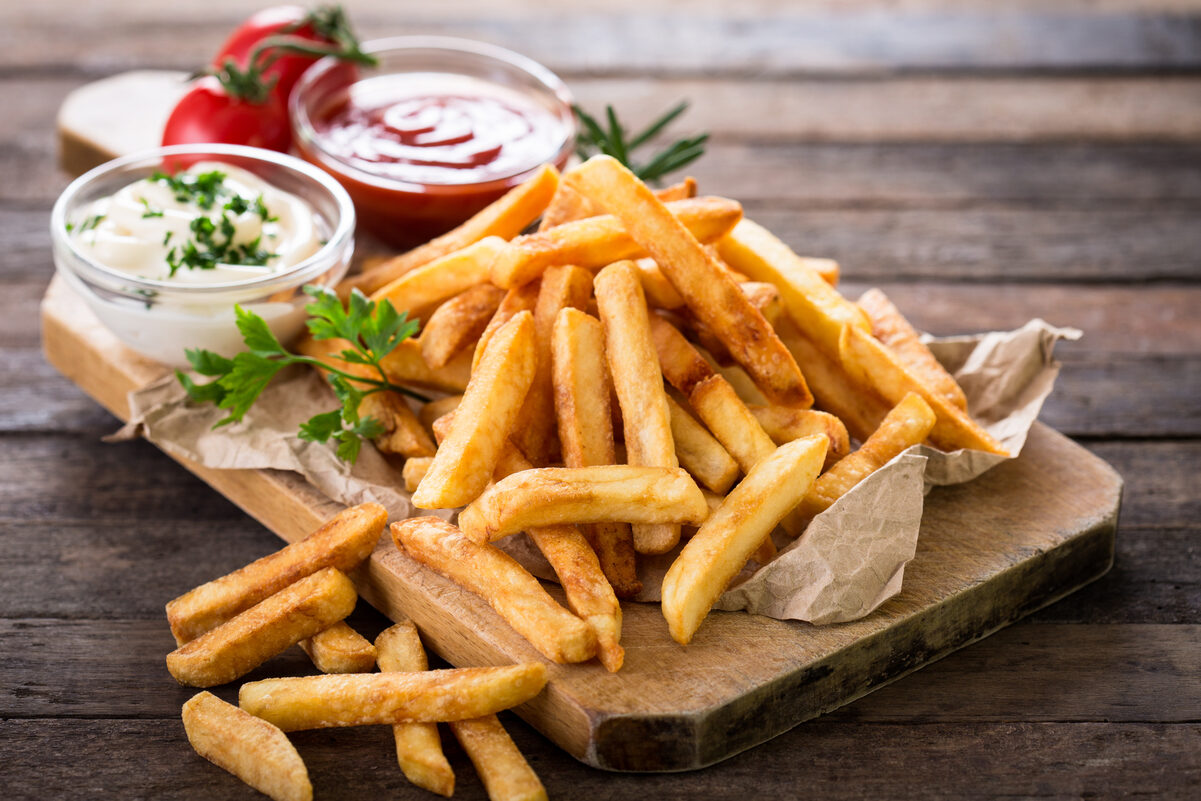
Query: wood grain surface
[1076,199]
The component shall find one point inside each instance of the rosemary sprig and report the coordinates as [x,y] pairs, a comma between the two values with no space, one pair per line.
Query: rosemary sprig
[594,138]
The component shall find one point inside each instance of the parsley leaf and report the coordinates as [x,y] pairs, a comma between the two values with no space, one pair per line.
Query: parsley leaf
[373,331]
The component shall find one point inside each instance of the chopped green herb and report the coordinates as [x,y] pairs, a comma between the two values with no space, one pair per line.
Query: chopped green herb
[88,224]
[70,227]
[260,208]
[149,212]
[237,204]
[202,189]
[167,237]
[214,245]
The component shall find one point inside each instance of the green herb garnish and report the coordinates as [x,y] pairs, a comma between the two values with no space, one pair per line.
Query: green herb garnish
[149,212]
[373,331]
[593,138]
[88,224]
[202,189]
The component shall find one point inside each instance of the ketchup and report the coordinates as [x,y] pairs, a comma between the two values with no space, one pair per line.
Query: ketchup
[421,152]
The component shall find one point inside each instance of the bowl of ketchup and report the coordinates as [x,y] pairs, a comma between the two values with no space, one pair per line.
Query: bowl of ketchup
[438,129]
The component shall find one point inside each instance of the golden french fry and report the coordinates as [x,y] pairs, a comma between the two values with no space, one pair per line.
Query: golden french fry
[634,368]
[405,365]
[431,411]
[502,582]
[403,433]
[501,767]
[582,406]
[709,290]
[658,290]
[516,300]
[255,751]
[418,746]
[562,288]
[548,496]
[699,453]
[270,627]
[722,545]
[421,291]
[343,542]
[858,405]
[588,591]
[594,242]
[569,205]
[464,462]
[875,365]
[745,248]
[890,327]
[505,217]
[458,323]
[414,470]
[368,699]
[783,424]
[818,311]
[340,649]
[907,424]
[710,395]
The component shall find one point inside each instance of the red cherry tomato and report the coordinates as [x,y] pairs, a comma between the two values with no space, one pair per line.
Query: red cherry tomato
[286,69]
[207,114]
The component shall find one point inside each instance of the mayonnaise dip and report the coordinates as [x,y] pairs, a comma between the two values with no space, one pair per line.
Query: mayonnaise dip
[212,223]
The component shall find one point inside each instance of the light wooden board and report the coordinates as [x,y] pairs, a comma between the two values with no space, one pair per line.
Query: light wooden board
[991,551]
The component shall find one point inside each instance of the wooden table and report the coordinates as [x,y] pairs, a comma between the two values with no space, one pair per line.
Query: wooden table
[983,166]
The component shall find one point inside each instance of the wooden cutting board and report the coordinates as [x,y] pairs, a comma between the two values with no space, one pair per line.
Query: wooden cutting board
[991,551]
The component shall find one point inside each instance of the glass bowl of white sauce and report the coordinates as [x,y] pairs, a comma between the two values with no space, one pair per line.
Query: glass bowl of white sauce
[164,243]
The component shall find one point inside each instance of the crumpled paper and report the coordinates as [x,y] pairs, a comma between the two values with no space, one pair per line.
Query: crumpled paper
[849,561]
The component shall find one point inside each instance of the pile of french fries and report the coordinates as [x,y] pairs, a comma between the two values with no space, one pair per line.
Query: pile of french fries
[639,371]
[300,596]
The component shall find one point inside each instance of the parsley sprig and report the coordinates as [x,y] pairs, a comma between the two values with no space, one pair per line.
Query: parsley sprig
[373,331]
[594,138]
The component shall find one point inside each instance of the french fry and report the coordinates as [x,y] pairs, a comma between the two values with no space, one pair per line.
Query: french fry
[405,365]
[907,424]
[516,300]
[503,770]
[722,545]
[343,542]
[634,368]
[588,592]
[569,205]
[890,327]
[418,746]
[859,406]
[594,242]
[505,218]
[431,411]
[752,244]
[414,470]
[711,293]
[369,699]
[270,627]
[458,323]
[508,588]
[464,462]
[421,291]
[340,649]
[566,287]
[784,425]
[699,453]
[403,434]
[255,751]
[548,496]
[873,364]
[710,395]
[658,290]
[582,406]
[818,311]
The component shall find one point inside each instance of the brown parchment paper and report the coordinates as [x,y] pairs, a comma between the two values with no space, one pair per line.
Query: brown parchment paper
[850,559]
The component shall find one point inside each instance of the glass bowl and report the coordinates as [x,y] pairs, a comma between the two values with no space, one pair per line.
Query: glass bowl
[161,318]
[410,210]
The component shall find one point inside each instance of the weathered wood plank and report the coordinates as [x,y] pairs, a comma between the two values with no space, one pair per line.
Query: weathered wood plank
[839,760]
[1056,672]
[774,39]
[1161,480]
